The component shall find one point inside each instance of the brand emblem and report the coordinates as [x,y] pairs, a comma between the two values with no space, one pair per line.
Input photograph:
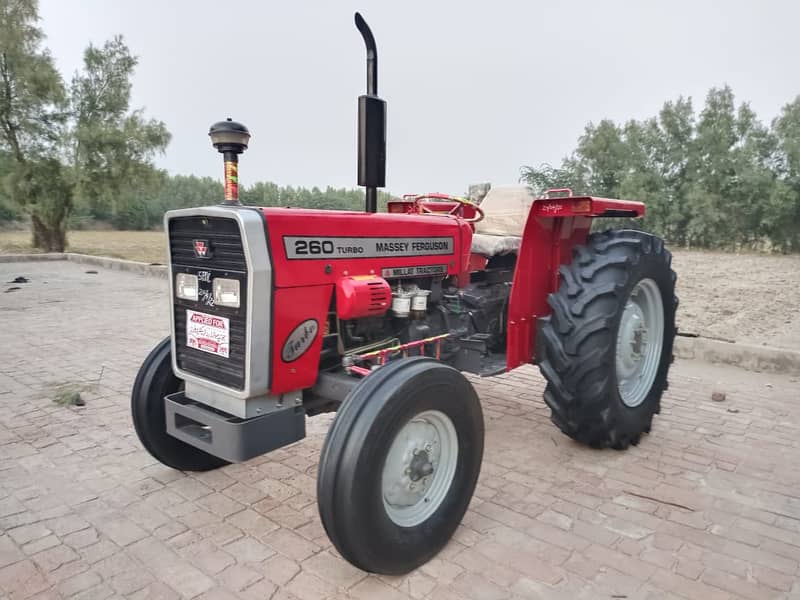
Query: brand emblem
[202,249]
[300,340]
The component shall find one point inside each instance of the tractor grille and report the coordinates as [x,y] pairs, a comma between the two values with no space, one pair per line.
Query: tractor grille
[225,258]
[227,251]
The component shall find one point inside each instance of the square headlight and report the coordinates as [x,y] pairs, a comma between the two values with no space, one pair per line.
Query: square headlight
[186,286]
[226,292]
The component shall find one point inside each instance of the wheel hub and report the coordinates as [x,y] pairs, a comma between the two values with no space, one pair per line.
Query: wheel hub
[632,342]
[639,340]
[419,468]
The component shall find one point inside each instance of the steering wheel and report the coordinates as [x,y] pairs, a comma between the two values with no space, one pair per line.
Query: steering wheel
[479,215]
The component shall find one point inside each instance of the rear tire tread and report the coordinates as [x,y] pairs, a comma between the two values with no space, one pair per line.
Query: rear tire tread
[579,374]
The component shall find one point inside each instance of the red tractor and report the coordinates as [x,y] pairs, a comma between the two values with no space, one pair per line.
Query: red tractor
[280,313]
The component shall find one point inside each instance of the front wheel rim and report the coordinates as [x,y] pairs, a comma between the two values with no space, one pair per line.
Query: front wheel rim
[419,468]
[640,339]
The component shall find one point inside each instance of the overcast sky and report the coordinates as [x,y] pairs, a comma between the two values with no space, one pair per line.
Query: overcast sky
[474,89]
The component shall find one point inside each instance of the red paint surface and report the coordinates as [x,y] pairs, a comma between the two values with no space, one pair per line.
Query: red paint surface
[328,223]
[303,287]
[292,306]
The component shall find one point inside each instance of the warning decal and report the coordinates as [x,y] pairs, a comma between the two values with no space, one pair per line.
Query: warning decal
[208,333]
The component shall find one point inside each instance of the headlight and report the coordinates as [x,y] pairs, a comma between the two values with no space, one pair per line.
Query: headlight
[226,292]
[186,286]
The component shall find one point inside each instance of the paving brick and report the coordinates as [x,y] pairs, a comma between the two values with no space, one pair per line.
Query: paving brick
[130,581]
[99,592]
[737,585]
[280,569]
[239,577]
[249,550]
[417,585]
[218,594]
[156,591]
[290,544]
[372,588]
[186,579]
[220,504]
[550,519]
[121,531]
[99,551]
[333,569]
[52,558]
[259,591]
[22,579]
[473,561]
[771,578]
[79,583]
[28,533]
[687,588]
[310,587]
[9,553]
[478,587]
[595,533]
[620,562]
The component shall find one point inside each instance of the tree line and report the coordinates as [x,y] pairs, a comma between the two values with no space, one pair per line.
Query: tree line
[65,143]
[143,206]
[717,179]
[74,155]
[77,155]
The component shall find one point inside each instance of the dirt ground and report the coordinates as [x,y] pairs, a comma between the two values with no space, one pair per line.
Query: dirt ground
[752,298]
[145,246]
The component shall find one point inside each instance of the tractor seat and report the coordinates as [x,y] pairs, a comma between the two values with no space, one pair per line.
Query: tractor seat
[495,245]
[506,210]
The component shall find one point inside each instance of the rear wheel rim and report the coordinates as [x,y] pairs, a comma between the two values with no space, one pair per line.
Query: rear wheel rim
[639,342]
[419,468]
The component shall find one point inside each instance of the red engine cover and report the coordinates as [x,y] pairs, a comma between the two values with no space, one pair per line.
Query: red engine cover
[362,296]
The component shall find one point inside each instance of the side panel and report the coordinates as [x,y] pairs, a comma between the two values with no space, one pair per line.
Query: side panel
[297,330]
[546,244]
[314,247]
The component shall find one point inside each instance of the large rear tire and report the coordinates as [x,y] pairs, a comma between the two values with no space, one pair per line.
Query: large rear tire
[399,465]
[154,381]
[606,348]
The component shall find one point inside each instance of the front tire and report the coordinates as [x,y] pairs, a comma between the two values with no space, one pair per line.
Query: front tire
[606,348]
[399,465]
[154,381]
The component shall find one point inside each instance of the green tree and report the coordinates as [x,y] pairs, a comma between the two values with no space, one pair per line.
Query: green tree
[113,145]
[32,118]
[782,214]
[721,179]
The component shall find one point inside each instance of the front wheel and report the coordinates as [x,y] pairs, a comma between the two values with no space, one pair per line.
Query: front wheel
[606,348]
[154,381]
[400,464]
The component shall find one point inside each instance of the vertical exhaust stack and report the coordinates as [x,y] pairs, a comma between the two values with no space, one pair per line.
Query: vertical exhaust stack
[371,125]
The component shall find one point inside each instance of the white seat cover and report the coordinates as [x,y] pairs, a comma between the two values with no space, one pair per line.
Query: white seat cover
[495,245]
[506,209]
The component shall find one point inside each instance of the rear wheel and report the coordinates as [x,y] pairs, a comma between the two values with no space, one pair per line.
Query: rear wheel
[400,464]
[154,381]
[607,345]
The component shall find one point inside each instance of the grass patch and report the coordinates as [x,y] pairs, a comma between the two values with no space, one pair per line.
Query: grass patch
[144,246]
[69,394]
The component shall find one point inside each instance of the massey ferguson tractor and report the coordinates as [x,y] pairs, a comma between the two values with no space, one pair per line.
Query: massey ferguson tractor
[283,313]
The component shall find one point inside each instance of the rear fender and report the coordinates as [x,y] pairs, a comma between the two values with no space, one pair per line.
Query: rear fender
[553,228]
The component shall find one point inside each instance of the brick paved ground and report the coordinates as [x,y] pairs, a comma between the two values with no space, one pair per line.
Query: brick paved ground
[707,507]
